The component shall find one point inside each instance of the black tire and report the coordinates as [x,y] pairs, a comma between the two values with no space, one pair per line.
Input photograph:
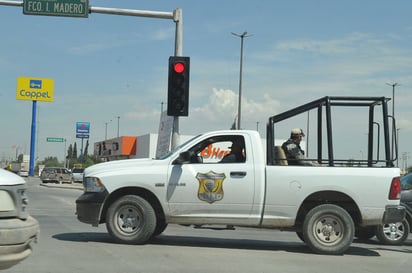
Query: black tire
[328,229]
[300,235]
[131,220]
[160,227]
[365,233]
[394,233]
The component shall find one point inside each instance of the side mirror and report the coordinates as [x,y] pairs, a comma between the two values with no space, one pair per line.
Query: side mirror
[183,158]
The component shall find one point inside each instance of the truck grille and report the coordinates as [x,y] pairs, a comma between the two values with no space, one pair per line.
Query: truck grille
[20,199]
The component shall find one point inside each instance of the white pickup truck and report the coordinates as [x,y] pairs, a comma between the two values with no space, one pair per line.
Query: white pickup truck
[192,185]
[18,230]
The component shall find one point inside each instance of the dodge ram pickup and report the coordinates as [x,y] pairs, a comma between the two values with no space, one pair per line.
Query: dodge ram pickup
[195,185]
[18,230]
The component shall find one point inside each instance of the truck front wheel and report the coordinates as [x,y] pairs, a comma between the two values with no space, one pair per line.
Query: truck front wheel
[131,220]
[328,229]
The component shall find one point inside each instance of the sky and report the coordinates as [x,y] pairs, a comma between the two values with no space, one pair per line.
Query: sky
[111,70]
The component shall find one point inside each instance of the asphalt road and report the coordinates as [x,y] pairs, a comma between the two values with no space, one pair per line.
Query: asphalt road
[68,246]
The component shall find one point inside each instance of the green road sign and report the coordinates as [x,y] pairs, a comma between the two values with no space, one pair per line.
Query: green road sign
[55,139]
[70,8]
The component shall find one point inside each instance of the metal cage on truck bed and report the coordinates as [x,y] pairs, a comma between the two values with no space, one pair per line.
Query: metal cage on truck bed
[377,106]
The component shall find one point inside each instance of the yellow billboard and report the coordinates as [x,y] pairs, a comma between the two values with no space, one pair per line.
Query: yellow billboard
[39,89]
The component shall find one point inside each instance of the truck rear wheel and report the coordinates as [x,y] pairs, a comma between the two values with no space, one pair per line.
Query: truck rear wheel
[328,229]
[131,220]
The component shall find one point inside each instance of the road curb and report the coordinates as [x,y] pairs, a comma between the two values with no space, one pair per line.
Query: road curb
[77,186]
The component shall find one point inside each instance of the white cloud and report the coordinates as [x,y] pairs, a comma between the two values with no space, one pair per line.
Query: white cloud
[346,45]
[88,48]
[221,109]
[162,34]
[404,124]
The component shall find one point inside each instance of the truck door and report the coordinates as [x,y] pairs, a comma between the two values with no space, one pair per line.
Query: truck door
[216,183]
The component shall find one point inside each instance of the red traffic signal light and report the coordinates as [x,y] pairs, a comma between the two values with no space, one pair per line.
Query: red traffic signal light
[178,86]
[179,67]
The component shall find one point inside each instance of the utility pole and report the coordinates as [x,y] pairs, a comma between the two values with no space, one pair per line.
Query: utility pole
[118,124]
[105,130]
[239,107]
[393,118]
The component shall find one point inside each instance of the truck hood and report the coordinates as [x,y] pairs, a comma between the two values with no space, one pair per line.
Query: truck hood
[118,166]
[9,178]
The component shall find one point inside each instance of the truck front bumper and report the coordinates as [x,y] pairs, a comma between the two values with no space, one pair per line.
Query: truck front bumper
[394,214]
[16,236]
[89,206]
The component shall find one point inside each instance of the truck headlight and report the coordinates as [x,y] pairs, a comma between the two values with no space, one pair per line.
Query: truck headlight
[93,184]
[6,202]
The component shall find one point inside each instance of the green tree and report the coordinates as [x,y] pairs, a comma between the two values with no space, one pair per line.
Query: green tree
[52,161]
[70,152]
[74,155]
[86,150]
[20,158]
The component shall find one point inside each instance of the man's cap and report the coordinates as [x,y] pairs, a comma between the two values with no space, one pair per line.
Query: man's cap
[297,132]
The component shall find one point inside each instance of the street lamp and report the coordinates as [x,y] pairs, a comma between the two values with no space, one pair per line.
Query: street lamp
[242,36]
[397,147]
[393,97]
[105,130]
[393,115]
[118,122]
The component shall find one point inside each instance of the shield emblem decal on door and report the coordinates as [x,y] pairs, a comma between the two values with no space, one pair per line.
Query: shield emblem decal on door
[210,186]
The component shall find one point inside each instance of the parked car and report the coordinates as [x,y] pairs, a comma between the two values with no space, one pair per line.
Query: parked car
[17,228]
[394,233]
[397,233]
[77,174]
[56,175]
[23,173]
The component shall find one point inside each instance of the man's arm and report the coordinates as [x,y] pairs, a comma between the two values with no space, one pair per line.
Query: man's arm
[295,154]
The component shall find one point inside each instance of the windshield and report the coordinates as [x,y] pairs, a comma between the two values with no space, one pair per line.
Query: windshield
[177,148]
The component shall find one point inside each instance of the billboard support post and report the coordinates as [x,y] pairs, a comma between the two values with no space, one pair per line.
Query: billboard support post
[33,138]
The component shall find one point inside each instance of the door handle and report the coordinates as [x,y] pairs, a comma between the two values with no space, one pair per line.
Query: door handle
[238,174]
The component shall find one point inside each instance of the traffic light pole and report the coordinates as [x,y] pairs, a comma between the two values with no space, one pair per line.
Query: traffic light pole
[178,52]
[176,16]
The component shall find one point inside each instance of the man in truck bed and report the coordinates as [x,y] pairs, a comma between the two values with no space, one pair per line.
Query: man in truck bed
[294,153]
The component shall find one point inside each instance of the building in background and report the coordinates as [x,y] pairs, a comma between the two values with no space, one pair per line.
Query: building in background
[126,147]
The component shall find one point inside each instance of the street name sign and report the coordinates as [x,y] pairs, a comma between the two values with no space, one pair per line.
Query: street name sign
[55,139]
[68,8]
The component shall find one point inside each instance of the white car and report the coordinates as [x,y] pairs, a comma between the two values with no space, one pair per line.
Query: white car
[17,228]
[77,174]
[23,173]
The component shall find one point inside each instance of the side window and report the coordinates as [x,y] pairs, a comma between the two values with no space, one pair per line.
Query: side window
[221,149]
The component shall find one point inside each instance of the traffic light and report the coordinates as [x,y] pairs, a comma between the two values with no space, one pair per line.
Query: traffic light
[178,87]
